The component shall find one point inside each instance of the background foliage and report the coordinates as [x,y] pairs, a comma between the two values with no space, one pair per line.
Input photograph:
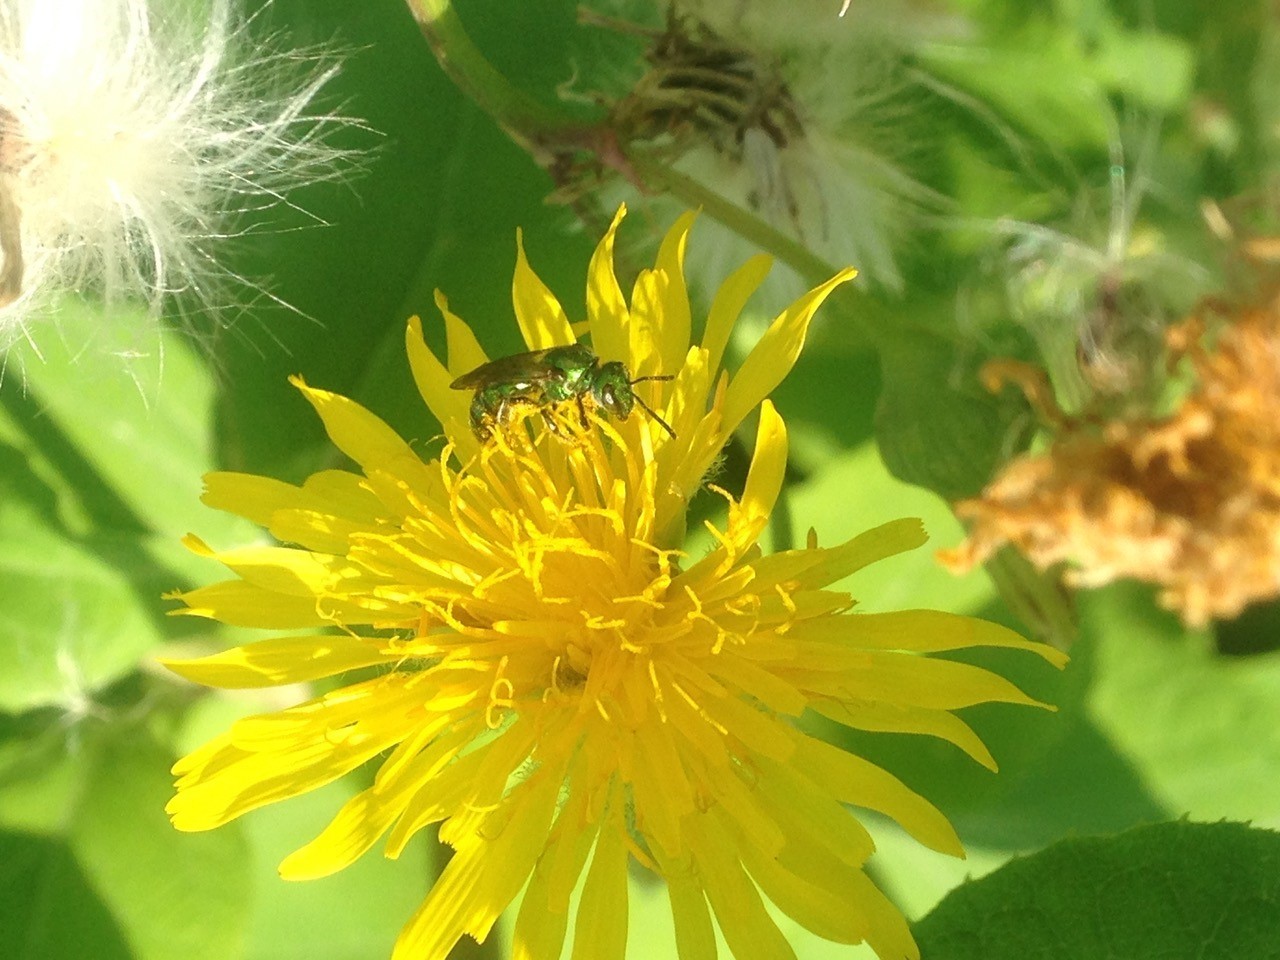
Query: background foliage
[100,469]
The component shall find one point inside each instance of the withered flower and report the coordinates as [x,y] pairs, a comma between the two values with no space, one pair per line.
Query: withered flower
[1189,501]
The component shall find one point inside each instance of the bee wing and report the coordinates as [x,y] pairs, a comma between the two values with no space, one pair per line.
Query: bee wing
[519,367]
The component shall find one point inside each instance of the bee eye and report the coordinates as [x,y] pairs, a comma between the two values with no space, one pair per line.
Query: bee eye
[608,397]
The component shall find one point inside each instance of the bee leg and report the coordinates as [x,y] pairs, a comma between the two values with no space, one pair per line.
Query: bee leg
[506,409]
[482,418]
[505,414]
[582,413]
[549,418]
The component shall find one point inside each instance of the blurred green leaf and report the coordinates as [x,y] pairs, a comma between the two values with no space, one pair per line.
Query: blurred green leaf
[135,405]
[937,427]
[41,780]
[1040,81]
[355,913]
[89,864]
[1200,729]
[1170,890]
[72,618]
[104,436]
[173,894]
[1155,70]
[50,910]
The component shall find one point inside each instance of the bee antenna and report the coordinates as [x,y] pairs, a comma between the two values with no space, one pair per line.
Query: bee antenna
[669,376]
[650,411]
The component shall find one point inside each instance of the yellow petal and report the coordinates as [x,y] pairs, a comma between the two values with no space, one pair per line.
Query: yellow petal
[320,515]
[234,781]
[342,493]
[252,497]
[816,906]
[695,936]
[464,350]
[313,530]
[759,683]
[353,831]
[600,928]
[727,306]
[483,877]
[741,805]
[851,779]
[445,793]
[746,925]
[355,431]
[660,313]
[928,631]
[240,604]
[899,718]
[889,935]
[773,357]
[449,406]
[541,318]
[906,679]
[768,466]
[887,540]
[816,825]
[283,660]
[369,814]
[645,329]
[484,773]
[688,404]
[674,335]
[544,913]
[297,573]
[606,309]
[661,790]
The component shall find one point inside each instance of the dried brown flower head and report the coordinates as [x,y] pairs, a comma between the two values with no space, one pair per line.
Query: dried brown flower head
[1190,501]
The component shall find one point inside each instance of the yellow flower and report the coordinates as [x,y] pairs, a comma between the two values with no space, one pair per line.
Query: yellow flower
[559,687]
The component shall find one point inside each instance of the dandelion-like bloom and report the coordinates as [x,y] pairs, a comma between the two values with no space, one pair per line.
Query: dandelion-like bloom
[1190,502]
[555,683]
[130,142]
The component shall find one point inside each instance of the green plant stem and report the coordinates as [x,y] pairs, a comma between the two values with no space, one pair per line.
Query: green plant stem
[525,120]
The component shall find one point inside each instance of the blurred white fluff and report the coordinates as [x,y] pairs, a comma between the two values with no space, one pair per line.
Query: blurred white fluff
[133,137]
[829,138]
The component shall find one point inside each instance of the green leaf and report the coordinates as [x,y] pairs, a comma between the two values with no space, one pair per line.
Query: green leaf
[1210,891]
[72,616]
[355,913]
[937,427]
[41,780]
[1201,730]
[1153,69]
[50,909]
[137,421]
[172,894]
[101,458]
[1040,81]
[89,864]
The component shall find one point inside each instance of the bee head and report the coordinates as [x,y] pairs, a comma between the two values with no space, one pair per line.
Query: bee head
[612,389]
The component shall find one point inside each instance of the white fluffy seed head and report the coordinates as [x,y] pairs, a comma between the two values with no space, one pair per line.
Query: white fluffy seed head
[133,135]
[805,120]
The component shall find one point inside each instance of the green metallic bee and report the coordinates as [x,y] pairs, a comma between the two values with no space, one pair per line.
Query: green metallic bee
[544,378]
